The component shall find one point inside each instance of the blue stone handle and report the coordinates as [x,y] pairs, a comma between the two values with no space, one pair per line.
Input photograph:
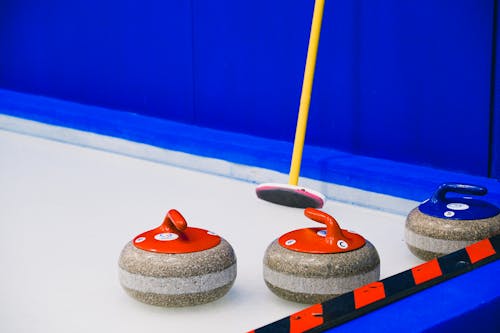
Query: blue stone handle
[440,194]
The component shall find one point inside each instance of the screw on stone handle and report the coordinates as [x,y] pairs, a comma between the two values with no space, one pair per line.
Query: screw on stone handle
[333,231]
[174,222]
[443,189]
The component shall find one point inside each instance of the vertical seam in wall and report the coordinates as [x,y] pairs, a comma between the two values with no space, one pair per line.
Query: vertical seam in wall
[491,140]
[356,71]
[193,63]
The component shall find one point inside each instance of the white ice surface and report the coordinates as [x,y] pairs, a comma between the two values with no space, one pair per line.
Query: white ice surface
[67,211]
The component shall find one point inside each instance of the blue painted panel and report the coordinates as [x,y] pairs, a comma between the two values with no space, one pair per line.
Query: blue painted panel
[408,81]
[495,108]
[419,88]
[403,80]
[130,55]
[425,71]
[249,62]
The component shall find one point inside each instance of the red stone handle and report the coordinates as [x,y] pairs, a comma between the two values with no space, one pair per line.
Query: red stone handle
[174,222]
[333,230]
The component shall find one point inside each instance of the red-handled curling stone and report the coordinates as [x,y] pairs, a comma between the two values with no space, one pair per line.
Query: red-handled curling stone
[312,265]
[320,240]
[177,265]
[174,236]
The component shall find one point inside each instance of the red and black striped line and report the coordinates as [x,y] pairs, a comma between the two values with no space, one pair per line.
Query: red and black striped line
[338,310]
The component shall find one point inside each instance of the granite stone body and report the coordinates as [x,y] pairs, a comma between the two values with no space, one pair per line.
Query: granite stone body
[429,237]
[313,278]
[174,280]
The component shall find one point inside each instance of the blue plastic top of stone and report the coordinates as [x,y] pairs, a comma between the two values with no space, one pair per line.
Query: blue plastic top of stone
[459,208]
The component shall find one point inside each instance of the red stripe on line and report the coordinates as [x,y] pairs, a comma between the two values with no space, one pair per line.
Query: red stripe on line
[427,271]
[306,319]
[368,294]
[480,250]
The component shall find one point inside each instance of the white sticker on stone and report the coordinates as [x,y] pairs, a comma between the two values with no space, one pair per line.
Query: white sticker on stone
[457,206]
[212,233]
[449,213]
[140,239]
[321,233]
[290,242]
[342,244]
[166,236]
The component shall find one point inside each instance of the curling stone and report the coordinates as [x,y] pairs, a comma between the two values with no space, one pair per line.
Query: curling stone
[176,265]
[442,225]
[312,265]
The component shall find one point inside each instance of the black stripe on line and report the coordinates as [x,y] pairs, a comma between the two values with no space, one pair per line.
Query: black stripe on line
[280,326]
[341,309]
[495,242]
[338,307]
[399,284]
[455,263]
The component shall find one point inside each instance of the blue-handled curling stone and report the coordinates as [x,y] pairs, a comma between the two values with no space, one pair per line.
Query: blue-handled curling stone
[450,220]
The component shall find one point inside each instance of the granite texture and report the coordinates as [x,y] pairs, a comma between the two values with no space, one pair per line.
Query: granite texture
[179,300]
[431,245]
[147,263]
[177,279]
[297,297]
[177,285]
[309,278]
[424,255]
[428,237]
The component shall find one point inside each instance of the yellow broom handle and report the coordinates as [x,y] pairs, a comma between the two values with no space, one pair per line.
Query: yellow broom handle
[305,98]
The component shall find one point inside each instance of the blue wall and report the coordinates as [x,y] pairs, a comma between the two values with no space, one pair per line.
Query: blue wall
[403,80]
[495,110]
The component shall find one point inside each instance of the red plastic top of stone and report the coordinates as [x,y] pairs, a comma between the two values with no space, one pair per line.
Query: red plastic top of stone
[333,239]
[174,236]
